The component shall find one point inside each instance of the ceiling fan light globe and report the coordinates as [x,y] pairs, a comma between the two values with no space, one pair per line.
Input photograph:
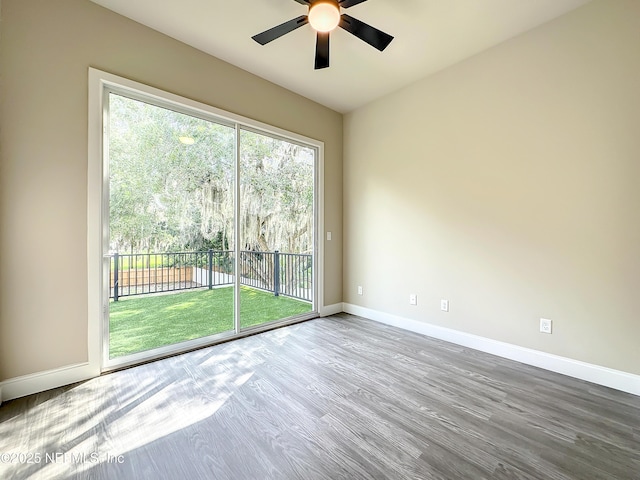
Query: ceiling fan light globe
[324,16]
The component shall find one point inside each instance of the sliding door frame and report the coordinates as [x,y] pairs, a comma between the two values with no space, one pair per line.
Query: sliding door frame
[100,85]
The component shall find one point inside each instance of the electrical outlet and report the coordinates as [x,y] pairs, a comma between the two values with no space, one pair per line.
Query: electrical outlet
[360,291]
[329,236]
[444,305]
[413,299]
[545,325]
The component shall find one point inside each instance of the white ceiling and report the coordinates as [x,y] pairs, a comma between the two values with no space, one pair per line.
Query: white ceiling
[430,35]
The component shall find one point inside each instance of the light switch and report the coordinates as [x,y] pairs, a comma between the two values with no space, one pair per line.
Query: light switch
[329,236]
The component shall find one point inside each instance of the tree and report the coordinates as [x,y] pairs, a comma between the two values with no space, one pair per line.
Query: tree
[168,195]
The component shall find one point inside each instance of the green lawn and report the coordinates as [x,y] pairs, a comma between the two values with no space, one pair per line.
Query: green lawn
[145,322]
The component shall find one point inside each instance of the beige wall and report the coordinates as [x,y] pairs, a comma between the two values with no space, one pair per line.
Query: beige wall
[46,48]
[509,184]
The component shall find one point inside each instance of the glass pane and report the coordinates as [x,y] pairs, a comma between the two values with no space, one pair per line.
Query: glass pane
[276,229]
[171,227]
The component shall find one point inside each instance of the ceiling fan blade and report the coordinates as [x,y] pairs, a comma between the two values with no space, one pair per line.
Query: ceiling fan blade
[306,2]
[374,37]
[350,3]
[282,29]
[322,50]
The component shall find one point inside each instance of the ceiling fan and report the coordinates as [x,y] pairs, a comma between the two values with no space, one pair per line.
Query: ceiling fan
[324,16]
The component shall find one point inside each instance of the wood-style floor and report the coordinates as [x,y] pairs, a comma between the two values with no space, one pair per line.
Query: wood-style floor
[333,398]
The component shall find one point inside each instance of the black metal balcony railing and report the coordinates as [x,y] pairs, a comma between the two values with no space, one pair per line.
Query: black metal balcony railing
[288,274]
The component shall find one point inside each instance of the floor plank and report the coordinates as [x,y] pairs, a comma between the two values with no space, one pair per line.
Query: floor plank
[333,398]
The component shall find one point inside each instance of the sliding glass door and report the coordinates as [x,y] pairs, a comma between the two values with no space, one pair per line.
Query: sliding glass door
[191,200]
[276,228]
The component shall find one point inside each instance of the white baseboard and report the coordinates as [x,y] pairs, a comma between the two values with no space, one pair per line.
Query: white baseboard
[608,377]
[331,309]
[627,382]
[39,382]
